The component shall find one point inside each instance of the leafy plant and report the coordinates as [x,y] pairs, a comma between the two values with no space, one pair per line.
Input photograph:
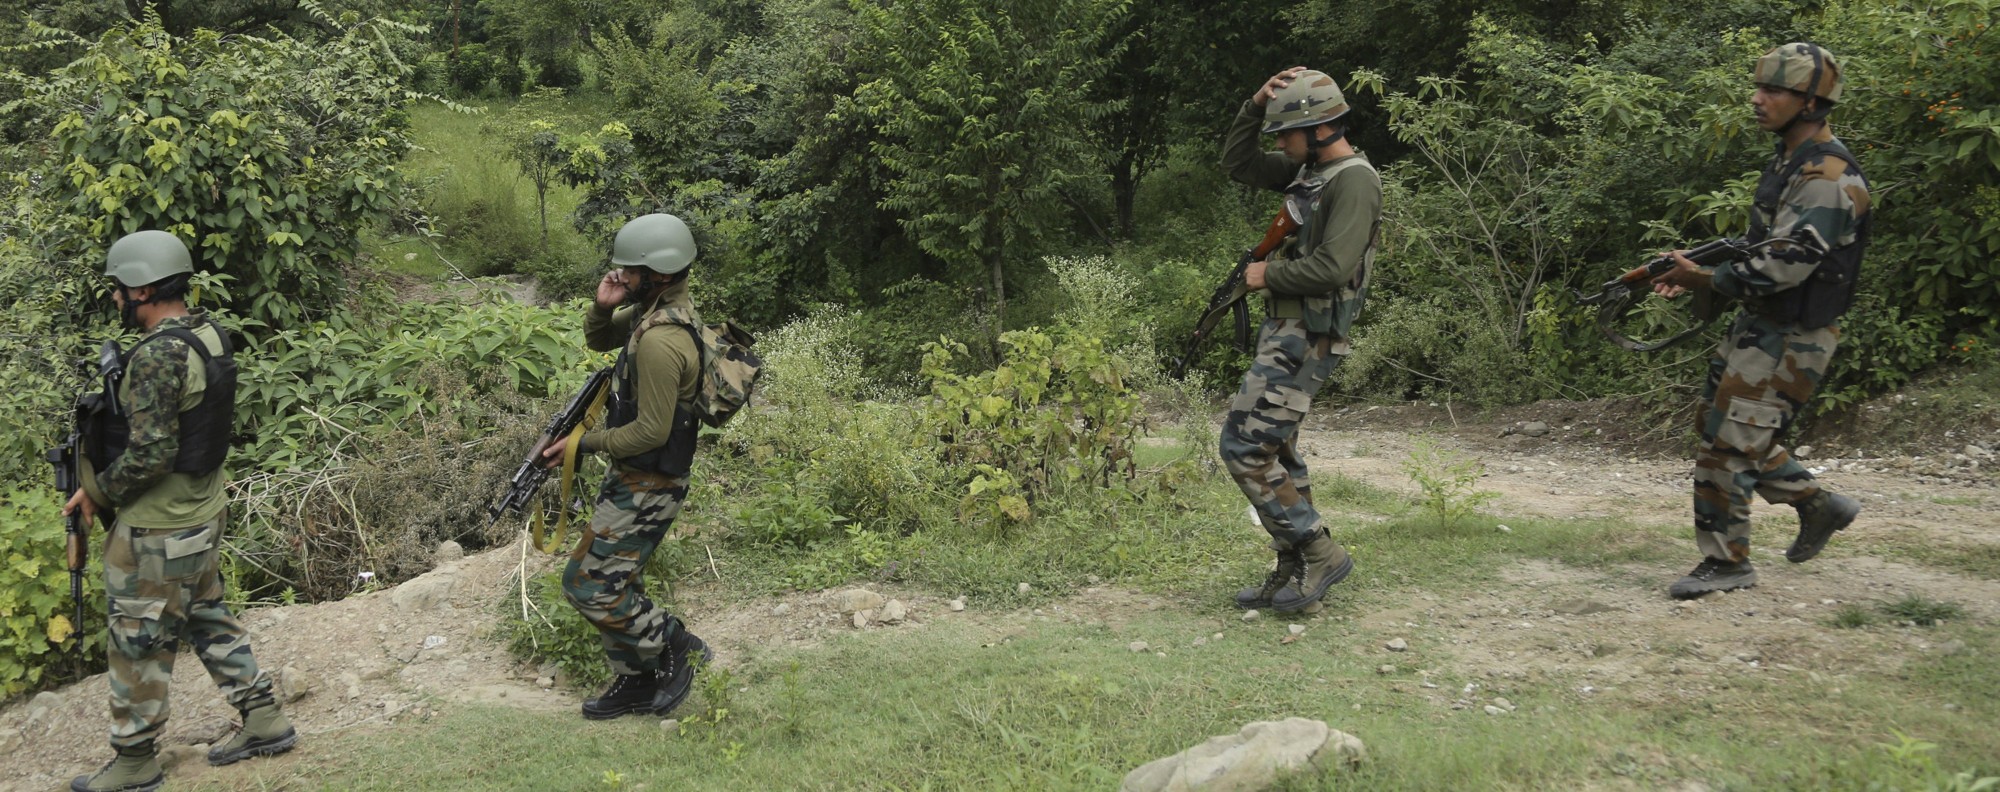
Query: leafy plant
[1446,481]
[1922,611]
[36,636]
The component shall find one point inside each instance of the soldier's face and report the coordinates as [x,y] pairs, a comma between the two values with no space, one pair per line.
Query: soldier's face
[1775,107]
[1292,143]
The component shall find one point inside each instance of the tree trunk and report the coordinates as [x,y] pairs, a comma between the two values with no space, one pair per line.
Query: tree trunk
[1124,184]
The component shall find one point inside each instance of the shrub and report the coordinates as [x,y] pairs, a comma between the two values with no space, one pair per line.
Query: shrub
[36,636]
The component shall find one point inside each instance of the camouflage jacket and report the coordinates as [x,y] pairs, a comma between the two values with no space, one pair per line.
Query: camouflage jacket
[1323,274]
[162,380]
[1823,193]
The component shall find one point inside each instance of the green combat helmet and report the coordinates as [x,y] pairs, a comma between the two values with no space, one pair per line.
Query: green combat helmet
[146,257]
[1312,98]
[1806,68]
[658,242]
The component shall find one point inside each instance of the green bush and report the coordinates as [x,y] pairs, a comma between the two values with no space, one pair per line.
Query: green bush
[470,69]
[36,636]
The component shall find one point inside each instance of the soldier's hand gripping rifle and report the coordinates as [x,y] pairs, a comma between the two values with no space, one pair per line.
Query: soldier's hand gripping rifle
[1617,297]
[67,459]
[1233,295]
[567,426]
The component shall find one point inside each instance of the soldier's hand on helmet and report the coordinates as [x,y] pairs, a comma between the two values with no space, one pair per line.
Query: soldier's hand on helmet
[611,290]
[81,502]
[1271,86]
[1253,275]
[1684,276]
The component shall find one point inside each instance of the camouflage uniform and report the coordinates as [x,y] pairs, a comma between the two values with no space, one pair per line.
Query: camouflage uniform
[1316,288]
[163,580]
[635,507]
[1768,366]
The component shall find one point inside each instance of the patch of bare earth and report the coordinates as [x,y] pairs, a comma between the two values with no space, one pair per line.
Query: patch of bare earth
[1595,634]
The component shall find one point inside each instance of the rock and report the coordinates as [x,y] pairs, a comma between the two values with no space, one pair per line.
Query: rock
[174,756]
[350,684]
[1974,451]
[1137,646]
[857,600]
[449,551]
[1388,669]
[781,609]
[1803,452]
[1250,759]
[547,682]
[293,684]
[893,612]
[1504,704]
[1251,615]
[1092,579]
[1582,607]
[1535,429]
[1397,645]
[957,605]
[1503,529]
[10,740]
[426,592]
[1295,629]
[1023,589]
[47,698]
[1492,710]
[406,653]
[1201,642]
[861,618]
[671,725]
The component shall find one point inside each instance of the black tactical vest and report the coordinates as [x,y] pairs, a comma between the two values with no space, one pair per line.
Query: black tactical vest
[675,458]
[1828,292]
[204,430]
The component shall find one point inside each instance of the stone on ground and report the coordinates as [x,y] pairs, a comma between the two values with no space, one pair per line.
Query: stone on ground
[893,612]
[1251,759]
[855,600]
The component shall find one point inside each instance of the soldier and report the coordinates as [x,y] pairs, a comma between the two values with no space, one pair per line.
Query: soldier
[162,474]
[649,437]
[1782,341]
[1314,289]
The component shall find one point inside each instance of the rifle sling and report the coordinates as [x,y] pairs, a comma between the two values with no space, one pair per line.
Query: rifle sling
[550,543]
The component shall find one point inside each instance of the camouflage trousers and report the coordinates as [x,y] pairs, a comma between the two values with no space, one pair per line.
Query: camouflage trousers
[1260,437]
[1757,380]
[166,586]
[602,580]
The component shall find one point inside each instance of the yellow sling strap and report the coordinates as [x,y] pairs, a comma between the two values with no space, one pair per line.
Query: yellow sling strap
[553,543]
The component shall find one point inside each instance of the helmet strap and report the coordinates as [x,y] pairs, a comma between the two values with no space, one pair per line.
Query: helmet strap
[129,313]
[1314,143]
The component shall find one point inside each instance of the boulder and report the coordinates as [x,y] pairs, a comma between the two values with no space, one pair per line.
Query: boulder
[857,600]
[426,592]
[1251,759]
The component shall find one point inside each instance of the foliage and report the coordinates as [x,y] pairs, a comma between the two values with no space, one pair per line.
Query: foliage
[984,119]
[1922,611]
[35,609]
[265,155]
[1447,483]
[1056,412]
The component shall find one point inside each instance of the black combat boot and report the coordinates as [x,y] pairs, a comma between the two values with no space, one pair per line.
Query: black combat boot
[1327,563]
[628,693]
[1290,567]
[677,667]
[1819,517]
[1713,575]
[134,769]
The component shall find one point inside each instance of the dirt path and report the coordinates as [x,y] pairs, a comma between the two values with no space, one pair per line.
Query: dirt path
[389,655]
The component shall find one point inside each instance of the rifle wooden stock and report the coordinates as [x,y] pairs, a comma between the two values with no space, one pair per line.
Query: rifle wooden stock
[1232,295]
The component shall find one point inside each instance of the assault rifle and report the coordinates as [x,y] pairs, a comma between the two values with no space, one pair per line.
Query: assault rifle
[567,425]
[1233,295]
[1617,296]
[67,459]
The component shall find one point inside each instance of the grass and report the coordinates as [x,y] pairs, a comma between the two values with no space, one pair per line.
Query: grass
[956,705]
[1003,699]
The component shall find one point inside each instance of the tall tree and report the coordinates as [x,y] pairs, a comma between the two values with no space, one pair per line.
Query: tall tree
[986,121]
